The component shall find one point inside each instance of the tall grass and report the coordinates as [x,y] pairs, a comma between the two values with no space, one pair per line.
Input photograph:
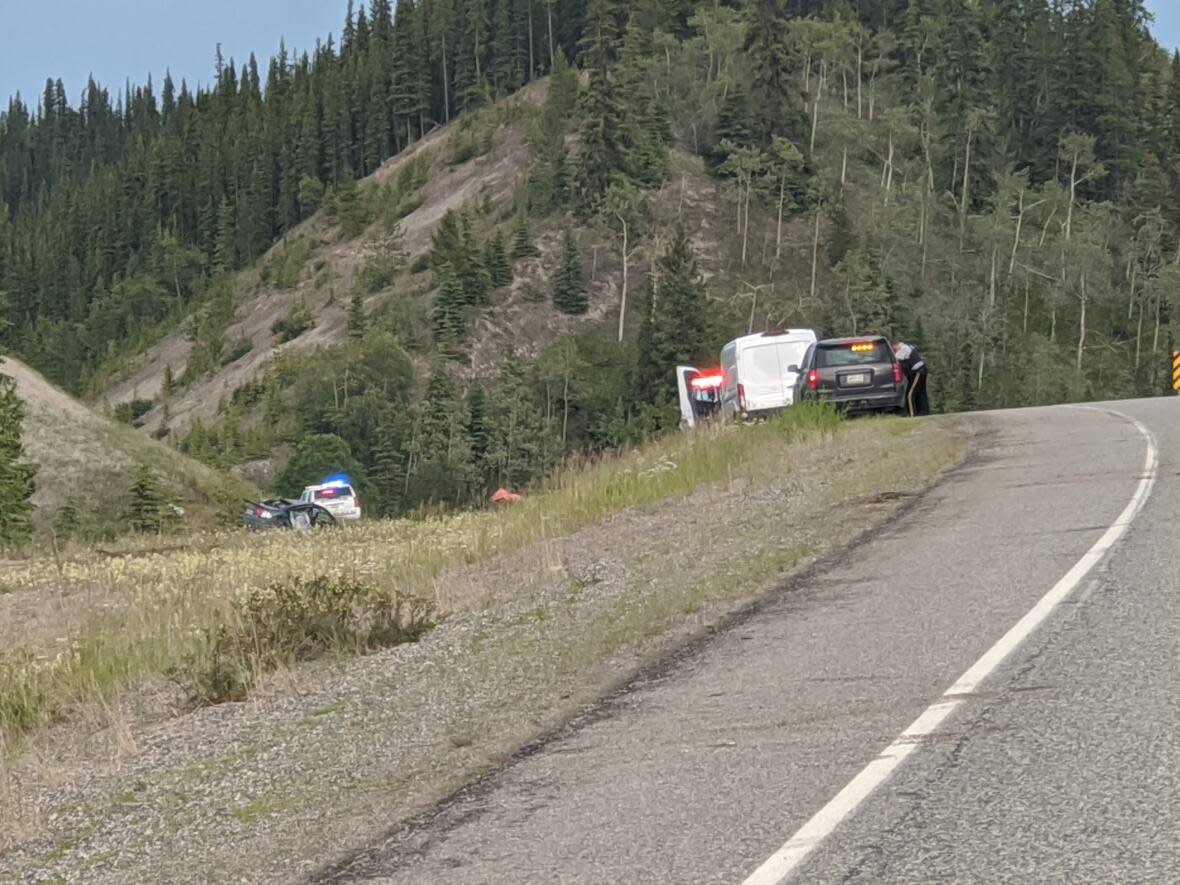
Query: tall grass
[106,622]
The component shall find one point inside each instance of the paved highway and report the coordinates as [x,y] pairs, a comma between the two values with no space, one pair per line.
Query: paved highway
[990,692]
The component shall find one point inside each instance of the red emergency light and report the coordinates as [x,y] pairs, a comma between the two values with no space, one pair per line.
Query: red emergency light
[707,381]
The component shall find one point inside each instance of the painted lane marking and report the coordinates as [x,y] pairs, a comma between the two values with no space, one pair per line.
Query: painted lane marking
[788,858]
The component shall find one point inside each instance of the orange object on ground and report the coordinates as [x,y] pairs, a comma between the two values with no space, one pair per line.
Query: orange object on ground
[503,496]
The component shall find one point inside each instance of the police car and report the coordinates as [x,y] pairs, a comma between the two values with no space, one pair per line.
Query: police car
[335,494]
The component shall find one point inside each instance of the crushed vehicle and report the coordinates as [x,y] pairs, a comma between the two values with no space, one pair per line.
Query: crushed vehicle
[283,513]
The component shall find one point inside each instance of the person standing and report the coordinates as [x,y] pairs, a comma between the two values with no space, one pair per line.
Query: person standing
[916,372]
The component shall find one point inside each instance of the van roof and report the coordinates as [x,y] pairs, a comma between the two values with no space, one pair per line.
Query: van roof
[777,334]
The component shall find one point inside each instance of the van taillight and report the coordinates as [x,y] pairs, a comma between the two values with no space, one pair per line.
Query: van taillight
[897,378]
[813,379]
[742,397]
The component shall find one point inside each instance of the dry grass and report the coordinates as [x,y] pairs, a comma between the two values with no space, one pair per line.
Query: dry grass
[80,629]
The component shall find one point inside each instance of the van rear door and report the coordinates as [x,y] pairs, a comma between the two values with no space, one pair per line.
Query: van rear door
[768,368]
[684,376]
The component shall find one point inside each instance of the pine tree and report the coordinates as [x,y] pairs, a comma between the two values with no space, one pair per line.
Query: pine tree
[563,86]
[522,238]
[496,260]
[602,152]
[775,103]
[226,256]
[357,321]
[410,86]
[447,317]
[507,74]
[523,446]
[569,288]
[145,509]
[478,426]
[676,327]
[390,462]
[16,475]
[350,209]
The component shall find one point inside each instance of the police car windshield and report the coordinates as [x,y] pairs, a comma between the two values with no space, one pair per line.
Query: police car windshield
[836,355]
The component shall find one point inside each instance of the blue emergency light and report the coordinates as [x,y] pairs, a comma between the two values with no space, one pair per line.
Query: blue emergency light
[337,479]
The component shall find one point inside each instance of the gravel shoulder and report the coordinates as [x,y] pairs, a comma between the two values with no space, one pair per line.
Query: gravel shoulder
[330,758]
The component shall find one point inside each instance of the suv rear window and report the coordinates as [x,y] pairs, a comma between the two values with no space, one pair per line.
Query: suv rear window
[334,494]
[858,353]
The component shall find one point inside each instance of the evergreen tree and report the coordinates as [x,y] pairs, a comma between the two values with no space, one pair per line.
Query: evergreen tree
[226,256]
[569,287]
[448,315]
[350,209]
[496,260]
[523,446]
[357,320]
[603,151]
[390,464]
[522,238]
[776,107]
[16,475]
[145,507]
[478,426]
[676,326]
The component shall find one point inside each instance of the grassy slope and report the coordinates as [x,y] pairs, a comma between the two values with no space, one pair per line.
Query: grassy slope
[90,461]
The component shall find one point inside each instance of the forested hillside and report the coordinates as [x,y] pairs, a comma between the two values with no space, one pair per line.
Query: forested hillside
[996,181]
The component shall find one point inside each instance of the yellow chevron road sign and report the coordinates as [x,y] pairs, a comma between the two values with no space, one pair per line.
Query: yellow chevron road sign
[1176,371]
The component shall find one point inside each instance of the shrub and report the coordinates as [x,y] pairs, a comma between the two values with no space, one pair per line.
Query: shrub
[285,268]
[238,349]
[316,456]
[311,195]
[132,412]
[303,620]
[294,324]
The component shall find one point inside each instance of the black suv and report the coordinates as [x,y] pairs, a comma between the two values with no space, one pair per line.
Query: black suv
[856,374]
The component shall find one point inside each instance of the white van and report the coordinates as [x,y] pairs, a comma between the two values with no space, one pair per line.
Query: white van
[760,372]
[757,377]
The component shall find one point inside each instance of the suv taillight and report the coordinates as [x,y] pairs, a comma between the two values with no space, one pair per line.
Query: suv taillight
[897,377]
[742,397]
[813,379]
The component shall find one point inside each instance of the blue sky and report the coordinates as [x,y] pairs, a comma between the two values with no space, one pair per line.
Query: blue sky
[1167,22]
[120,39]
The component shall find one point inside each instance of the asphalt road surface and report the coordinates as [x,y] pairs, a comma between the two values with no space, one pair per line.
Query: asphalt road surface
[989,692]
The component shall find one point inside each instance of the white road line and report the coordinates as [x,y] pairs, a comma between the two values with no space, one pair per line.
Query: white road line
[784,861]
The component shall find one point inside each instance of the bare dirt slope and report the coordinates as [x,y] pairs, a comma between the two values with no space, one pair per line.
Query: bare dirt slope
[327,281]
[521,317]
[89,461]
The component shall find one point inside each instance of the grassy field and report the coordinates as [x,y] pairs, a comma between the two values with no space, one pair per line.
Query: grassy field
[76,631]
